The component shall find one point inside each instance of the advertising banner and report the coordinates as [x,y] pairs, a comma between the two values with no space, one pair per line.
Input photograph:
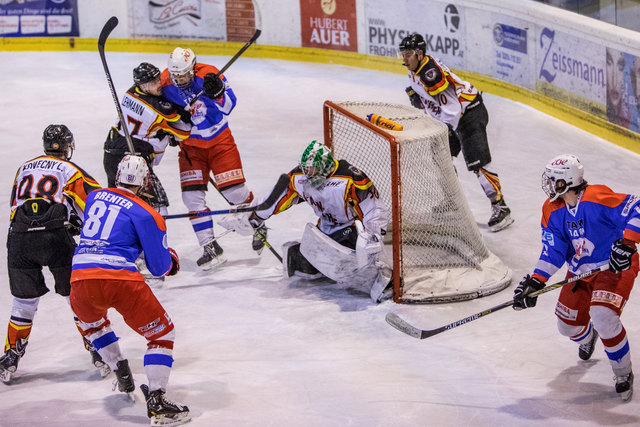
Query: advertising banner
[188,19]
[440,23]
[623,89]
[510,48]
[329,24]
[572,70]
[39,18]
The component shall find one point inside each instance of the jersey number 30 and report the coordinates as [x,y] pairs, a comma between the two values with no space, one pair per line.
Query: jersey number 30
[94,223]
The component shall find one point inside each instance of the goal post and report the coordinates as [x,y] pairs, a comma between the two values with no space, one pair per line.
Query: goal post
[433,242]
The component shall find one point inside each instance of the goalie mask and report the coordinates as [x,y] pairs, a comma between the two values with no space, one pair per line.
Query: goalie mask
[181,67]
[132,170]
[57,140]
[317,163]
[561,174]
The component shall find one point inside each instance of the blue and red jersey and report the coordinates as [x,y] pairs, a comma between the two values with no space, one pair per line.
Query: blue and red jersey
[582,236]
[118,226]
[209,116]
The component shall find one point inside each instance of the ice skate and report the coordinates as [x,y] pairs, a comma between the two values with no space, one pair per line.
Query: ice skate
[96,359]
[124,378]
[586,350]
[500,216]
[257,244]
[624,386]
[9,362]
[211,257]
[163,412]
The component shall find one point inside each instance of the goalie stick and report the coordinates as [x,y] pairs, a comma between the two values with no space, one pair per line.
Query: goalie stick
[283,180]
[403,326]
[104,34]
[246,46]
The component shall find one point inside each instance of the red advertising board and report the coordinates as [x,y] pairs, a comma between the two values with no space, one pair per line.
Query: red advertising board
[329,24]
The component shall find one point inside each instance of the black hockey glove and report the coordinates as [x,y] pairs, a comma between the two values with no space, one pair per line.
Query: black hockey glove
[620,257]
[213,86]
[414,98]
[75,224]
[527,285]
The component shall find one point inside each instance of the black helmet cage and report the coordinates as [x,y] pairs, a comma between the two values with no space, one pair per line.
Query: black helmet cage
[145,73]
[58,140]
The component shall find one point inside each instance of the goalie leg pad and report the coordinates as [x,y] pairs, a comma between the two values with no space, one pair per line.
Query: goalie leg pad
[332,259]
[294,264]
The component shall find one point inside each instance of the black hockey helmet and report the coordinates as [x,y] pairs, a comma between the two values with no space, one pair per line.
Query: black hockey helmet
[413,42]
[145,73]
[58,140]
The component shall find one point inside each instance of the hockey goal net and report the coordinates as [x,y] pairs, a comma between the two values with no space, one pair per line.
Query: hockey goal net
[432,241]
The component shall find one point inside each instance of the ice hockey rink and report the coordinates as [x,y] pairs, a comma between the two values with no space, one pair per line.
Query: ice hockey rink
[255,350]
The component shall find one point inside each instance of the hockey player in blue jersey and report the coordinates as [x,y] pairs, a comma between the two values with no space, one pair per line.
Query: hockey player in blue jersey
[586,227]
[118,227]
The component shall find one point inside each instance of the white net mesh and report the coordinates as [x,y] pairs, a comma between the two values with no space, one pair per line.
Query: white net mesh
[439,239]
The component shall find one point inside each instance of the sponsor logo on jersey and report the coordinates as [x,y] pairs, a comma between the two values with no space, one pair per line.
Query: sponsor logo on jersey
[606,297]
[192,175]
[564,312]
[150,325]
[547,237]
[628,206]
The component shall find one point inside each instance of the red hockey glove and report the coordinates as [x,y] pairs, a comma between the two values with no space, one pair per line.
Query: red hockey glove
[175,263]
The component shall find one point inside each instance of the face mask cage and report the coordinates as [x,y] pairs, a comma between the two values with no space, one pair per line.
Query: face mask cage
[182,81]
[553,188]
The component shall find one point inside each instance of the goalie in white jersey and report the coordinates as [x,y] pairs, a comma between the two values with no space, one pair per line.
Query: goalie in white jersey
[458,104]
[346,244]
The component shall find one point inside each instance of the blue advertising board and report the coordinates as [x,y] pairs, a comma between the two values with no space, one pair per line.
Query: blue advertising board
[39,18]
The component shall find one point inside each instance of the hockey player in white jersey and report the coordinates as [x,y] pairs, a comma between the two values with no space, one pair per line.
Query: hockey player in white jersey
[458,104]
[153,123]
[47,205]
[346,244]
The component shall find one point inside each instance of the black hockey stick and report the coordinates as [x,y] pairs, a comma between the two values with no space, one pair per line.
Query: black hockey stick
[403,326]
[104,34]
[227,65]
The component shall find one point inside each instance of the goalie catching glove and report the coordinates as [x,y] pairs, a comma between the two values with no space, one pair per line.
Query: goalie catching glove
[213,86]
[521,298]
[621,253]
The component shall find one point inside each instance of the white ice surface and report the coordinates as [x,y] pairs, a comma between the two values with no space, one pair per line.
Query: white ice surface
[254,350]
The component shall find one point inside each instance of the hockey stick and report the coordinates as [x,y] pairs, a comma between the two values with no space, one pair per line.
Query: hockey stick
[104,34]
[403,326]
[227,65]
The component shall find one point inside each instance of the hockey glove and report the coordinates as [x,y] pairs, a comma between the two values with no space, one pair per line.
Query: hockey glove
[213,86]
[175,263]
[75,224]
[521,300]
[414,98]
[620,257]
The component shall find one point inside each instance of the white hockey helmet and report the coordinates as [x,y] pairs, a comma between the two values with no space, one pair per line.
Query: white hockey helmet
[561,174]
[181,66]
[132,170]
[317,163]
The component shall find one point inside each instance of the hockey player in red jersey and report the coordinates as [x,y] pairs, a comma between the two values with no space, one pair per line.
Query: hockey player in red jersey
[458,104]
[588,226]
[47,204]
[210,147]
[346,244]
[118,227]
